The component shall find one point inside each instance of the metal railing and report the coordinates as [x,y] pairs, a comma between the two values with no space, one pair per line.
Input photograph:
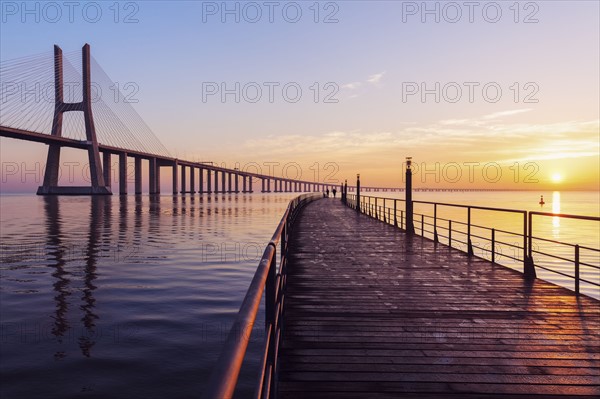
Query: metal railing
[576,248]
[271,280]
[392,211]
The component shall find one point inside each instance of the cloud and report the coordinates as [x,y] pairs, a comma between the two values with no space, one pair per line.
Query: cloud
[474,139]
[351,86]
[372,79]
[500,114]
[376,78]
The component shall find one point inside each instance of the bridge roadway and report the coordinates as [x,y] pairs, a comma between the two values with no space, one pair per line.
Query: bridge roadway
[371,312]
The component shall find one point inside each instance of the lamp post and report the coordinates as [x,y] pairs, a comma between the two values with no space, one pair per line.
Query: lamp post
[410,227]
[358,192]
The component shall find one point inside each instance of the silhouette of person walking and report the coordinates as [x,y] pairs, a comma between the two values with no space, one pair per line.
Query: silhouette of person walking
[327,193]
[334,192]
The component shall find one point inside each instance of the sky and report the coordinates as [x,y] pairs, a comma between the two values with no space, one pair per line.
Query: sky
[494,95]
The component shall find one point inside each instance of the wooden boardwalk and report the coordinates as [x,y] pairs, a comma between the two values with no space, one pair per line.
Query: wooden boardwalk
[371,312]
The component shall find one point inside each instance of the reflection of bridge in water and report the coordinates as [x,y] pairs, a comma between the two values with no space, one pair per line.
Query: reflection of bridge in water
[61,257]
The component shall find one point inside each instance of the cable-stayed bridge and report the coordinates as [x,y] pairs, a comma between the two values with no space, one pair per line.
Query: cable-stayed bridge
[62,100]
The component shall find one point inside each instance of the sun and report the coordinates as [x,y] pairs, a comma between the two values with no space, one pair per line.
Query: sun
[557,178]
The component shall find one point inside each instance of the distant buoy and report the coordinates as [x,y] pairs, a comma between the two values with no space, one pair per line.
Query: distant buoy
[542,200]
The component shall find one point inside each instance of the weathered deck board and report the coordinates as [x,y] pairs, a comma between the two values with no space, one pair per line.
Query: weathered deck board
[371,312]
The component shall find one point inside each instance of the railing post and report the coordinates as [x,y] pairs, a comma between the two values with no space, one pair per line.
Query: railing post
[395,213]
[410,228]
[493,245]
[450,233]
[577,269]
[470,245]
[376,214]
[528,265]
[422,225]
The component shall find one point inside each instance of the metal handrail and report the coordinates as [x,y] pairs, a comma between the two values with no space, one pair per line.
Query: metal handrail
[369,206]
[271,281]
[577,247]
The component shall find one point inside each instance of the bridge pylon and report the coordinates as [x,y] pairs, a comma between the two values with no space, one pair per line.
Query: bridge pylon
[50,185]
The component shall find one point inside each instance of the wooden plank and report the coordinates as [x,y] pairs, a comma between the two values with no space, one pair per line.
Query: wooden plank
[371,312]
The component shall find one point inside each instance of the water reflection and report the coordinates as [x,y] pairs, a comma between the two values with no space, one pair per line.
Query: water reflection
[555,209]
[100,216]
[59,256]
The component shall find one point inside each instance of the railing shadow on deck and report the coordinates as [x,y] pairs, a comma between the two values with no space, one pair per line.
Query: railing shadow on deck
[269,278]
[392,211]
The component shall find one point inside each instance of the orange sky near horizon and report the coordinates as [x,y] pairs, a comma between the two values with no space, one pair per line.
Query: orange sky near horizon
[493,103]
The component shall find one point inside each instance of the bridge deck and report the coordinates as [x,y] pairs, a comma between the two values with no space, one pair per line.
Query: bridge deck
[371,312]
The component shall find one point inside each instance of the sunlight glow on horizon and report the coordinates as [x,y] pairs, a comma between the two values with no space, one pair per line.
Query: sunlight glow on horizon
[557,178]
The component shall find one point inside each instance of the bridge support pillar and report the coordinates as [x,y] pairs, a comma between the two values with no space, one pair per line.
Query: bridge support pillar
[192,180]
[138,175]
[250,184]
[157,177]
[152,167]
[183,182]
[175,188]
[50,185]
[123,173]
[229,182]
[107,169]
[237,182]
[201,182]
[216,181]
[208,181]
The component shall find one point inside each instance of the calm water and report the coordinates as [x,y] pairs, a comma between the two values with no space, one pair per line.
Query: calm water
[133,297]
[129,297]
